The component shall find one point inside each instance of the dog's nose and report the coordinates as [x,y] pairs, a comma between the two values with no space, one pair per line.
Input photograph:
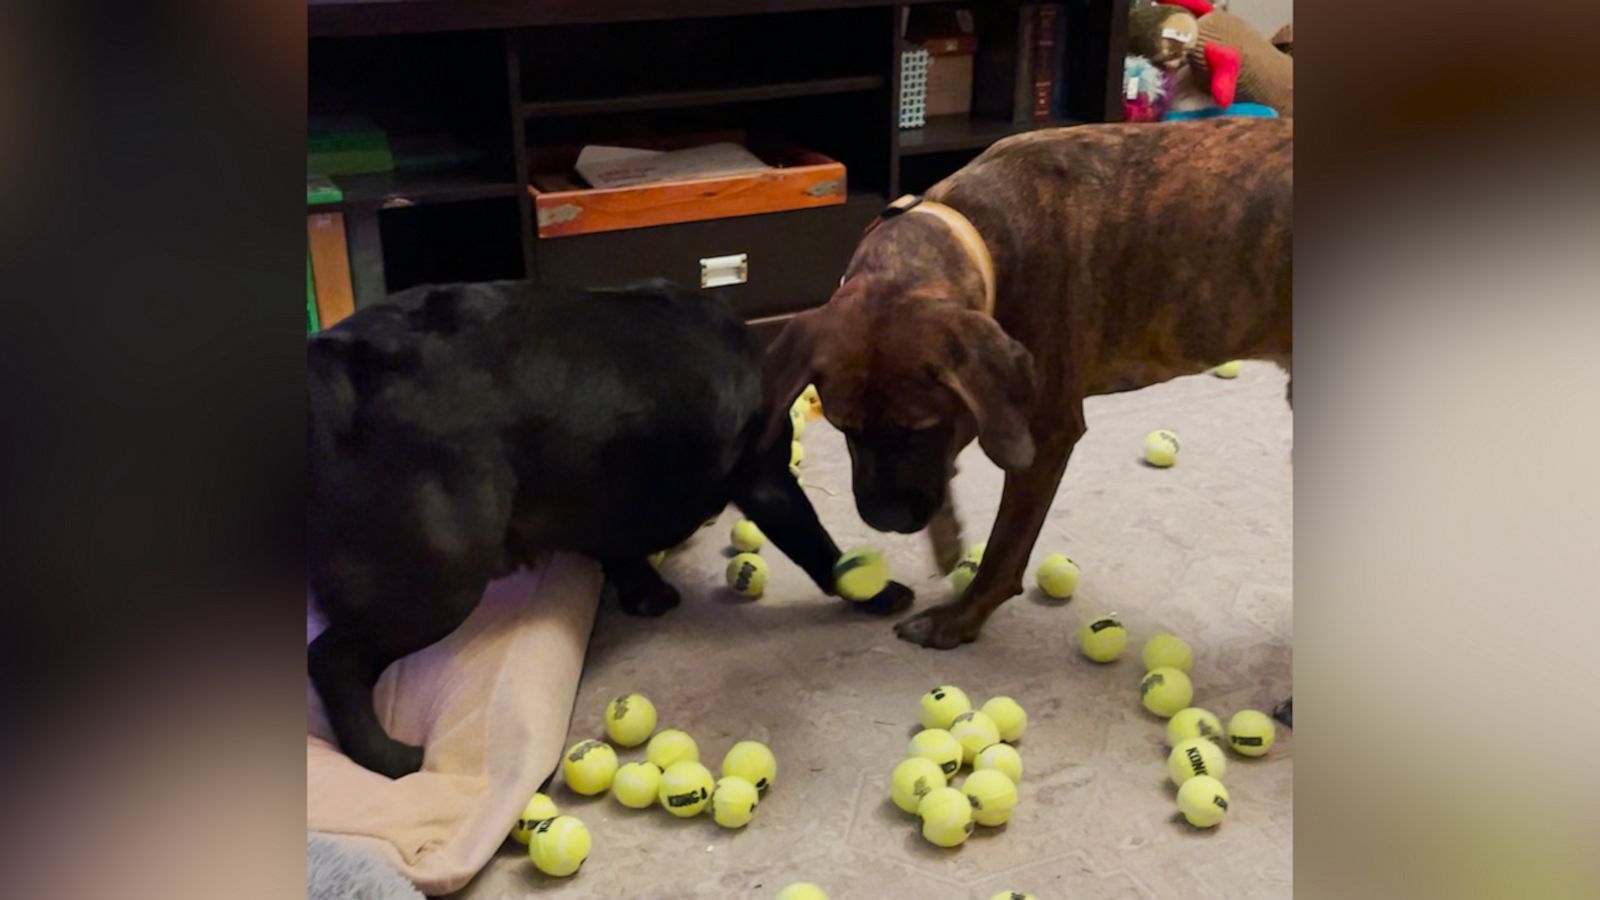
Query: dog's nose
[897,517]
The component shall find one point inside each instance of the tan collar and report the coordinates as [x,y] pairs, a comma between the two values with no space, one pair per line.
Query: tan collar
[965,232]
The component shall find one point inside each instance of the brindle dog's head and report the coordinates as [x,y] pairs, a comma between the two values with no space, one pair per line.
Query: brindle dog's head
[908,375]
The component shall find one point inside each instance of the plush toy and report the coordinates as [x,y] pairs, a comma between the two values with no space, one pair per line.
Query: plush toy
[1169,36]
[1146,90]
[1283,39]
[1238,59]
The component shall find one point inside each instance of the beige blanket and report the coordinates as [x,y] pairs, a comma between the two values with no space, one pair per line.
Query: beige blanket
[491,703]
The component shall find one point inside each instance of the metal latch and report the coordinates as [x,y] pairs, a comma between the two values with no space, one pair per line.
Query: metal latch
[719,271]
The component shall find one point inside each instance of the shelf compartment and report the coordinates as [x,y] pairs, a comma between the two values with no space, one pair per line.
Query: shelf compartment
[949,133]
[401,188]
[815,87]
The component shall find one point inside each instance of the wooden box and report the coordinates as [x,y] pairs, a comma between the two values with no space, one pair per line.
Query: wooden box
[563,206]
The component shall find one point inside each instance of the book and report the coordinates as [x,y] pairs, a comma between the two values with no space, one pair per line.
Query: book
[1047,18]
[321,189]
[311,299]
[1058,97]
[1022,81]
[995,64]
[330,268]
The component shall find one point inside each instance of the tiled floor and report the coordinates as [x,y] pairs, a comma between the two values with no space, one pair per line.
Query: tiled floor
[1202,549]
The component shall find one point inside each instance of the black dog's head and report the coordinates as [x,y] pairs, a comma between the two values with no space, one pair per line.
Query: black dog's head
[909,383]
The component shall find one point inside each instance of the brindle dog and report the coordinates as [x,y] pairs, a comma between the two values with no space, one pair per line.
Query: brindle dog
[1124,255]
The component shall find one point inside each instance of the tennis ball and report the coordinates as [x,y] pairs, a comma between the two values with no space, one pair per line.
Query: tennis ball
[589,767]
[539,808]
[630,719]
[937,745]
[733,802]
[1103,639]
[1001,758]
[993,796]
[1195,756]
[685,789]
[1193,722]
[797,455]
[671,746]
[746,537]
[1057,576]
[941,705]
[1227,370]
[657,558]
[635,785]
[802,890]
[860,575]
[747,575]
[912,780]
[961,576]
[975,730]
[975,552]
[1166,690]
[813,401]
[752,761]
[1161,448]
[1251,733]
[1011,895]
[797,419]
[1203,801]
[946,815]
[1167,651]
[559,846]
[1008,716]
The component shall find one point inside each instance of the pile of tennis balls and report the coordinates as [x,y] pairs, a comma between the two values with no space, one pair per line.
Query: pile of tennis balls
[955,734]
[1057,576]
[670,775]
[1196,762]
[806,408]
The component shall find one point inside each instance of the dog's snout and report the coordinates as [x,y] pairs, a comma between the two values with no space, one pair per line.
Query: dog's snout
[903,515]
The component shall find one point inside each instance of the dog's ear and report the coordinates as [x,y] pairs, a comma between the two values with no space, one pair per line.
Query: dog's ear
[789,366]
[993,374]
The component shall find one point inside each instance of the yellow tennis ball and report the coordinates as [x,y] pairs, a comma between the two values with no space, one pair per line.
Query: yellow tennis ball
[1001,758]
[975,552]
[1008,716]
[946,815]
[630,719]
[797,419]
[1103,639]
[559,846]
[1164,691]
[941,705]
[912,780]
[860,575]
[1167,651]
[961,576]
[1161,448]
[1227,370]
[753,761]
[671,746]
[685,789]
[1195,756]
[797,454]
[1203,801]
[539,808]
[975,730]
[1057,576]
[937,745]
[802,890]
[1011,895]
[993,796]
[589,767]
[635,785]
[813,402]
[746,537]
[747,575]
[1191,723]
[657,558]
[1251,733]
[733,801]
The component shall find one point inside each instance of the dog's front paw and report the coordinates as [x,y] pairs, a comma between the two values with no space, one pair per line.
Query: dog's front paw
[648,601]
[892,599]
[391,758]
[942,628]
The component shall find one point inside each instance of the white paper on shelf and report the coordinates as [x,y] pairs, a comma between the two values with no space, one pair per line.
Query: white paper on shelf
[606,167]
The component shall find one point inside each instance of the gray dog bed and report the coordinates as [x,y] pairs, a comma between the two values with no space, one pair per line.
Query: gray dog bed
[339,871]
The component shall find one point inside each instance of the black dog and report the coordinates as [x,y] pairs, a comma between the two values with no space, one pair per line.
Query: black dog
[458,431]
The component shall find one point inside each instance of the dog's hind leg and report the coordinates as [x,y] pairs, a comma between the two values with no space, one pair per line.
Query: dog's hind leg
[1024,503]
[346,660]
